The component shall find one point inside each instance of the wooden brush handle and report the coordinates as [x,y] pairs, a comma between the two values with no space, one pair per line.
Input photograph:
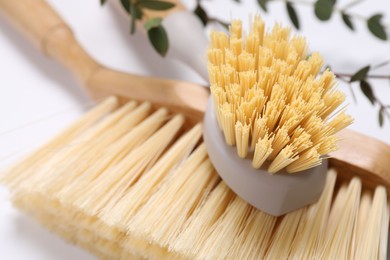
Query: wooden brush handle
[359,155]
[53,37]
[50,34]
[362,156]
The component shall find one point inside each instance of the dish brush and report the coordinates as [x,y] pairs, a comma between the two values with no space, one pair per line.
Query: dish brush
[270,103]
[134,185]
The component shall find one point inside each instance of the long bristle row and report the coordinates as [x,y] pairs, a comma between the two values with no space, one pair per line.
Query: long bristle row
[267,77]
[137,188]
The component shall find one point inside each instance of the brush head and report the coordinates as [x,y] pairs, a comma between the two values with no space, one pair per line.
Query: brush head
[271,102]
[274,194]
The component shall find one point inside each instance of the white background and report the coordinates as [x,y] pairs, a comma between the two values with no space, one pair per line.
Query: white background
[38,97]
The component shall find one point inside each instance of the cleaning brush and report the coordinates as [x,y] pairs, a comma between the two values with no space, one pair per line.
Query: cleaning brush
[163,199]
[133,180]
[269,102]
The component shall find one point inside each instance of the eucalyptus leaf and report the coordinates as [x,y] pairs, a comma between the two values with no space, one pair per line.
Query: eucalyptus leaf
[155,5]
[201,13]
[367,91]
[360,74]
[380,116]
[159,39]
[126,5]
[263,4]
[323,9]
[347,21]
[151,23]
[102,2]
[292,14]
[376,28]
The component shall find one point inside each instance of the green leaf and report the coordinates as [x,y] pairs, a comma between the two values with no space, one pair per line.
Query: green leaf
[367,91]
[201,13]
[126,5]
[159,39]
[347,21]
[263,4]
[151,23]
[380,116]
[155,5]
[376,28]
[102,2]
[292,14]
[323,9]
[360,74]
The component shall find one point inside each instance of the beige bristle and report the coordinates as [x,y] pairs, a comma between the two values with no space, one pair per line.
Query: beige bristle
[292,95]
[361,225]
[219,40]
[253,241]
[138,226]
[259,130]
[300,140]
[284,235]
[227,119]
[286,157]
[372,230]
[99,143]
[110,185]
[281,139]
[225,230]
[332,99]
[339,236]
[307,159]
[242,139]
[235,29]
[128,205]
[328,145]
[19,172]
[313,223]
[113,154]
[169,225]
[291,118]
[194,235]
[340,122]
[262,151]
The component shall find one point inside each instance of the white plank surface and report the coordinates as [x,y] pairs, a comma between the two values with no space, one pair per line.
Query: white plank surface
[38,97]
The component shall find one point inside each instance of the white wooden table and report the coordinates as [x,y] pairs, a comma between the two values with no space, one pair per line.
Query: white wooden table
[38,97]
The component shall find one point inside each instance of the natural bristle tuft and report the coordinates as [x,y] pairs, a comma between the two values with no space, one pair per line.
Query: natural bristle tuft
[269,97]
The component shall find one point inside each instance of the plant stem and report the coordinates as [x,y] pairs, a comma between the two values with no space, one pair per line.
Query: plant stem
[339,10]
[351,4]
[368,76]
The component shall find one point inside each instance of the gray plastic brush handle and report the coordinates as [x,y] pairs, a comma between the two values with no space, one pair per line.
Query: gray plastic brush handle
[187,41]
[275,194]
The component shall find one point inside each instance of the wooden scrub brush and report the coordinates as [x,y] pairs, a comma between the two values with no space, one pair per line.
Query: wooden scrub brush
[270,104]
[125,183]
